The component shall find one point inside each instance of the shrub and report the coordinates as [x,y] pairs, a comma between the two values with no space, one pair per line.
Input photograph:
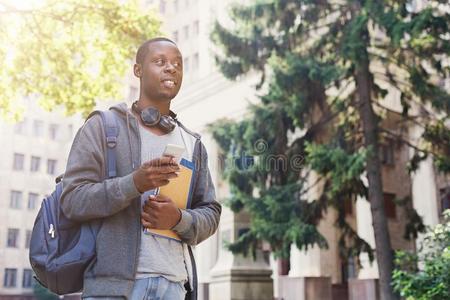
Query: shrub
[426,275]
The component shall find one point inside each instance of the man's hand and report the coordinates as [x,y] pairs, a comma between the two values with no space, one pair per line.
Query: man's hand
[155,173]
[160,212]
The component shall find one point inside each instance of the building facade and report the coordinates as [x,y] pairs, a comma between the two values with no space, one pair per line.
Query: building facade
[34,152]
[206,96]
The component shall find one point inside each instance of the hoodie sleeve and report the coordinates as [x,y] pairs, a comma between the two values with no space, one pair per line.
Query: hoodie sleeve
[86,193]
[202,219]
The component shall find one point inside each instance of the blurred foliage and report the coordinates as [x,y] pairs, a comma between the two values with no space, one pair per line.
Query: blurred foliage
[69,53]
[425,276]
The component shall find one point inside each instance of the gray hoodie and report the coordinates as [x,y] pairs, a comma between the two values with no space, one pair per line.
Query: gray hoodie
[113,205]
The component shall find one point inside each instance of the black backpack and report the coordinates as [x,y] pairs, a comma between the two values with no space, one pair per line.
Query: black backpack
[61,249]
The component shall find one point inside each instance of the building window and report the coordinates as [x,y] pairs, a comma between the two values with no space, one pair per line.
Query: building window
[348,269]
[15,200]
[175,36]
[38,128]
[27,239]
[195,62]
[53,131]
[18,161]
[389,206]
[32,200]
[51,166]
[348,207]
[9,280]
[20,128]
[162,6]
[35,163]
[186,64]
[13,234]
[445,199]
[186,3]
[221,162]
[27,278]
[186,32]
[386,152]
[176,5]
[196,28]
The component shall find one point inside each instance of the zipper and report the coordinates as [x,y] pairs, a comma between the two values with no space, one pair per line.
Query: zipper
[51,230]
[136,256]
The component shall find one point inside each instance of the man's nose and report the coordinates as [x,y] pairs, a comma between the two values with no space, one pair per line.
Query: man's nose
[170,68]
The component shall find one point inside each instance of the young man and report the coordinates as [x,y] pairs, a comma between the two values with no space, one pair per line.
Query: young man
[130,263]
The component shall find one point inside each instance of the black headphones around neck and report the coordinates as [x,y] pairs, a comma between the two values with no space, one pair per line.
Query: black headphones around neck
[151,117]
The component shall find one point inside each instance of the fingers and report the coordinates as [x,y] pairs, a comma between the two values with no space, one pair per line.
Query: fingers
[162,176]
[147,218]
[160,183]
[159,198]
[152,170]
[150,207]
[160,173]
[165,169]
[161,161]
[146,224]
[150,219]
[155,204]
[155,173]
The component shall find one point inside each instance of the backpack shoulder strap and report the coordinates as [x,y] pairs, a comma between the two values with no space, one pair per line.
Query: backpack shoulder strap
[111,134]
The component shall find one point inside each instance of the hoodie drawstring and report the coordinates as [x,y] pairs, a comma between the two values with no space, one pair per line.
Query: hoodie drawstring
[129,141]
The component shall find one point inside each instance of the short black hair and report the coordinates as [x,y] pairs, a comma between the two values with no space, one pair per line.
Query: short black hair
[143,49]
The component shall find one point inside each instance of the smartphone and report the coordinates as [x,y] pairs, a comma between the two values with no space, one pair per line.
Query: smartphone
[175,151]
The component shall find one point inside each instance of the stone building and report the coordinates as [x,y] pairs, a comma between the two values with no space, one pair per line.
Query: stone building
[33,152]
[207,96]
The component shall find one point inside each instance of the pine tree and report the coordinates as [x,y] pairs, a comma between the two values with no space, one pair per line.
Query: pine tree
[324,69]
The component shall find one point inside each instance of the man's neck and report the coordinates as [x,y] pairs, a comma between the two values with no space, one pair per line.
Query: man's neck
[162,105]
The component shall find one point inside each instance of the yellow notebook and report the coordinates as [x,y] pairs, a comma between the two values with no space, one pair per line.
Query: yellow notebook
[180,191]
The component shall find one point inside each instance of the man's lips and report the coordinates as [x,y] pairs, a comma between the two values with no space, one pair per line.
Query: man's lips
[169,83]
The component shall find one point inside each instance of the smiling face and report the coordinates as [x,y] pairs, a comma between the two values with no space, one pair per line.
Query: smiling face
[160,71]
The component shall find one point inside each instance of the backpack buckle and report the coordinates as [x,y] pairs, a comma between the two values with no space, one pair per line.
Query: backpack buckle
[51,231]
[111,141]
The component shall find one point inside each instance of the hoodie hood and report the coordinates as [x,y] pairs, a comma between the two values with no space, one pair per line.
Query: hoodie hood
[121,108]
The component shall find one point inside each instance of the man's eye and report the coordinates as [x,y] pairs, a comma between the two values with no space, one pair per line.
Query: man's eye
[159,62]
[177,64]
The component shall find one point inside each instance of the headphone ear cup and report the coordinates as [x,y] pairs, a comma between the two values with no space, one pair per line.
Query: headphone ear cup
[166,123]
[150,117]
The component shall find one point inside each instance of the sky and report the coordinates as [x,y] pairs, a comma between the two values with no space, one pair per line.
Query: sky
[23,4]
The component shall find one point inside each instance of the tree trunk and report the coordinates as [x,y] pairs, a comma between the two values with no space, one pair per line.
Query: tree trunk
[384,253]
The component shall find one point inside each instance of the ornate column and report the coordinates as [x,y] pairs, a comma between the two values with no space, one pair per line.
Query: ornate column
[235,277]
[311,271]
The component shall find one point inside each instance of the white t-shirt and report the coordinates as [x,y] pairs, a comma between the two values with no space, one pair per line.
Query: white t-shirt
[160,256]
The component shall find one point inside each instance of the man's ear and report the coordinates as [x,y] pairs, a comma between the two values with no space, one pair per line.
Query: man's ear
[137,69]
